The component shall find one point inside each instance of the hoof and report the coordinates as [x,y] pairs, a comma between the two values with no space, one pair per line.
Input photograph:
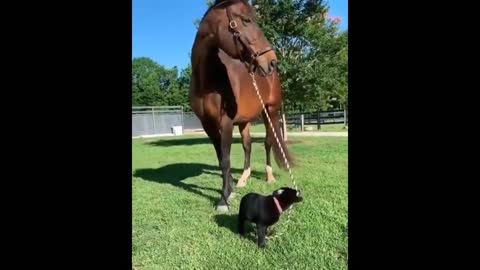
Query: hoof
[270,178]
[241,183]
[243,179]
[222,208]
[232,196]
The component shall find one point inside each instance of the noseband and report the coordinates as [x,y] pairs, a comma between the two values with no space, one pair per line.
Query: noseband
[243,40]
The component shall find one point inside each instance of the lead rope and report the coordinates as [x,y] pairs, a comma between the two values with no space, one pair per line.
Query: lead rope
[279,145]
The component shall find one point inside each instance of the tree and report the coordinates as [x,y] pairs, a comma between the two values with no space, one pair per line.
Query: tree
[178,96]
[286,24]
[155,85]
[312,53]
[147,82]
[306,41]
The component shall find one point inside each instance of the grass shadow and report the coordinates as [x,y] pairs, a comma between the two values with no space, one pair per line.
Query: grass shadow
[230,222]
[174,174]
[196,141]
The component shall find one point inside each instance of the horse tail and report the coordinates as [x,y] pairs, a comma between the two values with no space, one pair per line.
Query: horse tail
[277,149]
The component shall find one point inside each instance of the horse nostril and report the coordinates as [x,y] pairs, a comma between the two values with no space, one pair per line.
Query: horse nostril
[273,64]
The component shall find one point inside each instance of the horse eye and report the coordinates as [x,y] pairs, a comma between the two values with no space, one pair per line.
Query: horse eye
[246,20]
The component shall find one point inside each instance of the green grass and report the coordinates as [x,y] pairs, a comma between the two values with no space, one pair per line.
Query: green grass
[176,183]
[323,128]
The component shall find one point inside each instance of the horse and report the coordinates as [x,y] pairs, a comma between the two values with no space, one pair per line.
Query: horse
[228,49]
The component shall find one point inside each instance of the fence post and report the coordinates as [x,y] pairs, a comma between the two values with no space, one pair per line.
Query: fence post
[318,120]
[153,121]
[301,122]
[345,116]
[183,124]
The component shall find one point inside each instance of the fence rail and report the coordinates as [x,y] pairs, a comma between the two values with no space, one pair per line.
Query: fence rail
[317,118]
[313,118]
[151,121]
[168,120]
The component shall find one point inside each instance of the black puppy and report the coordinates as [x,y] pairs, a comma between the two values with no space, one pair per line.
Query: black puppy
[265,211]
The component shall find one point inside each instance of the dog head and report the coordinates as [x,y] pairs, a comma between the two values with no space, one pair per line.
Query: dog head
[287,196]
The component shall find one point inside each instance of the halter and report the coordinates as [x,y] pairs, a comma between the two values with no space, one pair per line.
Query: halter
[242,40]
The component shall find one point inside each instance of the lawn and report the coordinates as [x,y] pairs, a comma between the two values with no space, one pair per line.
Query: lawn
[176,183]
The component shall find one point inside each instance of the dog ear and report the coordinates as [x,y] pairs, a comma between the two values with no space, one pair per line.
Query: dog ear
[278,192]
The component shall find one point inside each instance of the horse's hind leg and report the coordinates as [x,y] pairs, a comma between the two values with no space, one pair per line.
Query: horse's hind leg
[247,147]
[213,133]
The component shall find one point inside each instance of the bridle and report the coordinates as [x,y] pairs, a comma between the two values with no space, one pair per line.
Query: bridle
[240,40]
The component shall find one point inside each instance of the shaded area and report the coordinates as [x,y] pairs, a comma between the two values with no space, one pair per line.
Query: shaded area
[196,141]
[173,174]
[231,222]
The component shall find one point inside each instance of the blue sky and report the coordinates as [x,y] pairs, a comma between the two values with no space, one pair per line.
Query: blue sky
[164,31]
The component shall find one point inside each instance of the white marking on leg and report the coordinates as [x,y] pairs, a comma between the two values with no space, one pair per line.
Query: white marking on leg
[222,208]
[243,179]
[270,178]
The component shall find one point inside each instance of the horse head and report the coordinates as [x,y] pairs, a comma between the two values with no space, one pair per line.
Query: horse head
[235,30]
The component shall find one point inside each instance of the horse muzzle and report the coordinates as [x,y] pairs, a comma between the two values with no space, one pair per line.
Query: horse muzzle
[268,69]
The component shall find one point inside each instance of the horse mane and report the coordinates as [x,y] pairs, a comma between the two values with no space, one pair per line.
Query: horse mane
[219,2]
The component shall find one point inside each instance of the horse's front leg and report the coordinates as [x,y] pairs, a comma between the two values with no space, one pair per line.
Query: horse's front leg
[226,129]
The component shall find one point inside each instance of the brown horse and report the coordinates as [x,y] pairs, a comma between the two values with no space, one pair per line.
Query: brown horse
[229,45]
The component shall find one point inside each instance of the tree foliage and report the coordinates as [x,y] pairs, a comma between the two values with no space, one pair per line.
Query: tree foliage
[312,53]
[155,85]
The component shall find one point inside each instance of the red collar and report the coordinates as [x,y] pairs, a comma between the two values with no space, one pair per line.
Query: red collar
[279,208]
